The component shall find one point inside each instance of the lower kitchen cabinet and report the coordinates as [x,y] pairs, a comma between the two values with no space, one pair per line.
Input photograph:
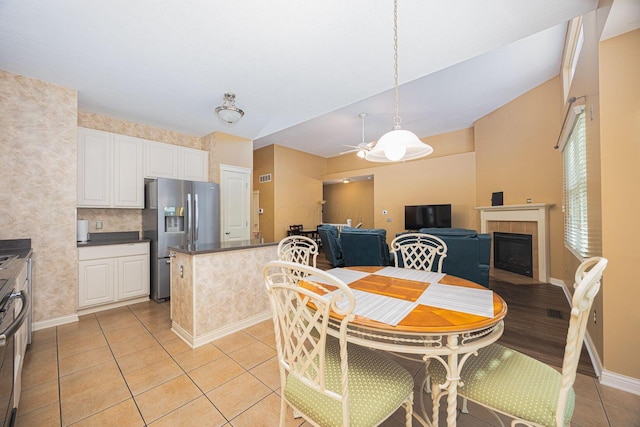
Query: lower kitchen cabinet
[112,273]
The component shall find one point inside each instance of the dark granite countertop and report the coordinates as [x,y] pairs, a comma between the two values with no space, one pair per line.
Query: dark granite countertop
[20,247]
[207,248]
[112,238]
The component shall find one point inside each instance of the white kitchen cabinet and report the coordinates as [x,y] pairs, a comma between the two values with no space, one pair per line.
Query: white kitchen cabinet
[172,161]
[110,170]
[96,282]
[112,273]
[193,164]
[133,272]
[128,172]
[160,160]
[94,168]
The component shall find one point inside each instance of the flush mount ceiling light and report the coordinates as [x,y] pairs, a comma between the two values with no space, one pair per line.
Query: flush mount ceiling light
[228,112]
[398,144]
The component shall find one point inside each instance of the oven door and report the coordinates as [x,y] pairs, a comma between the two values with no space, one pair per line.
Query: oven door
[9,325]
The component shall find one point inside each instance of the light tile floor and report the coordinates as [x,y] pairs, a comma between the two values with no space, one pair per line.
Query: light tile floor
[124,367]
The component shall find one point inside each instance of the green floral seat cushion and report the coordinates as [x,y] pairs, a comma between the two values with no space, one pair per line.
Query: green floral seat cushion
[377,387]
[511,382]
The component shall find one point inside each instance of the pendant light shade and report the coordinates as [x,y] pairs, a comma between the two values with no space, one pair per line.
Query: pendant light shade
[398,144]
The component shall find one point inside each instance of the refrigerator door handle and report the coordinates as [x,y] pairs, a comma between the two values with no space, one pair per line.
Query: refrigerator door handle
[189,220]
[197,222]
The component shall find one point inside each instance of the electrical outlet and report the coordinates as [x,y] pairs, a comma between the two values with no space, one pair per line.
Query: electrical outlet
[595,317]
[98,225]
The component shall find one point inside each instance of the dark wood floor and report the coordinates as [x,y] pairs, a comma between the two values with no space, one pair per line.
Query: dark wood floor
[536,323]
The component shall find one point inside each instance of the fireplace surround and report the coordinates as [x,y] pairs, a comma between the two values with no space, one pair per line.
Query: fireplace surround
[530,218]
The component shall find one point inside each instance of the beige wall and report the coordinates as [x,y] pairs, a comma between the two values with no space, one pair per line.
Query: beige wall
[349,201]
[436,180]
[227,149]
[620,170]
[515,154]
[39,185]
[298,189]
[263,163]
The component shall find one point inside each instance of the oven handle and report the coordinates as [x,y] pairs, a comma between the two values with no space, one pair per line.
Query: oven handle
[19,320]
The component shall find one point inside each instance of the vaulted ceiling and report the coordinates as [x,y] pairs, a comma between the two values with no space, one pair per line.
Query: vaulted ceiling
[302,70]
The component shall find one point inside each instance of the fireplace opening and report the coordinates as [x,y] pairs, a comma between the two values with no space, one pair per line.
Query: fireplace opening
[513,252]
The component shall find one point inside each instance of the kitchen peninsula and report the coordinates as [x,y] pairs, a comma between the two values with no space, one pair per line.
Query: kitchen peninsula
[217,289]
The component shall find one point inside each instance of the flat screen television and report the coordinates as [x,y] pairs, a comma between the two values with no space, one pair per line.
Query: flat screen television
[427,216]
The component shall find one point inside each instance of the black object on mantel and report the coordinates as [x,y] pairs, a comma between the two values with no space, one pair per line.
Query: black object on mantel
[497,199]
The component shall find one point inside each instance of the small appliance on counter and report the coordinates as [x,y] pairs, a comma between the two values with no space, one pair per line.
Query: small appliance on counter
[83,230]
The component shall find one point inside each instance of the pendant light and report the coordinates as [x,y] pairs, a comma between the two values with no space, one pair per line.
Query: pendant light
[397,144]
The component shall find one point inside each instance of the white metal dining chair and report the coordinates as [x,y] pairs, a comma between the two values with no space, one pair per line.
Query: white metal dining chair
[298,249]
[523,388]
[324,379]
[419,251]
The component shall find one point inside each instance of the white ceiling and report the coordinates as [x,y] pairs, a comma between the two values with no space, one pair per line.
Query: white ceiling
[302,70]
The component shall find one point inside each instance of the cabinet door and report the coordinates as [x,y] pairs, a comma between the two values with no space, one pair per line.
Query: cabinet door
[94,168]
[96,282]
[128,176]
[160,160]
[194,164]
[133,276]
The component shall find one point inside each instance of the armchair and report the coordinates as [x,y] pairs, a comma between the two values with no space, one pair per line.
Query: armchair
[468,254]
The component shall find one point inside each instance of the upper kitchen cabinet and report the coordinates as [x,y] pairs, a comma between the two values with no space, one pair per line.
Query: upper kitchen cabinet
[110,170]
[194,164]
[172,161]
[160,160]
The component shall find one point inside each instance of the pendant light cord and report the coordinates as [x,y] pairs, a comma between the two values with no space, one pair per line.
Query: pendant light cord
[396,120]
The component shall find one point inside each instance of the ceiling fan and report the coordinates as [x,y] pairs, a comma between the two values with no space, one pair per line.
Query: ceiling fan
[363,148]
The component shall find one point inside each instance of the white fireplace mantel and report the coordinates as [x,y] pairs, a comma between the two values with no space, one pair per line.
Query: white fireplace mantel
[538,212]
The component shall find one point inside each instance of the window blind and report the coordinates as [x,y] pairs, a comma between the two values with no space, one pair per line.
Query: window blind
[576,215]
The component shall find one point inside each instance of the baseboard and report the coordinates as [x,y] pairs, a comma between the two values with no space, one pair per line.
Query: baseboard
[219,333]
[608,378]
[557,282]
[98,308]
[58,321]
[621,382]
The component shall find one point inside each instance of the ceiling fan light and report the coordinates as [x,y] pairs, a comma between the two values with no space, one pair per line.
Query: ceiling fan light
[362,154]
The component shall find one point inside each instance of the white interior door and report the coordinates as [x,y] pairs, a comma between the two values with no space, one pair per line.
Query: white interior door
[236,202]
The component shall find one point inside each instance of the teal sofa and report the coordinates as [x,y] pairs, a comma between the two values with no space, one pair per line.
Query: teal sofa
[468,253]
[365,246]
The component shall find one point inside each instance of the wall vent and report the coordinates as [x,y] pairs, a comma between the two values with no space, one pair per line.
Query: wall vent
[264,178]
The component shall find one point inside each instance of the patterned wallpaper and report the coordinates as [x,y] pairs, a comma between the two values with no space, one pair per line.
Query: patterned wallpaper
[39,185]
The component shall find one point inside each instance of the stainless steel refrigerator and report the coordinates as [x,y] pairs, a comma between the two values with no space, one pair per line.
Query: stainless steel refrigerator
[177,213]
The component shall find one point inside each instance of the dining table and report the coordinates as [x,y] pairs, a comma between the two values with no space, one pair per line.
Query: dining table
[427,316]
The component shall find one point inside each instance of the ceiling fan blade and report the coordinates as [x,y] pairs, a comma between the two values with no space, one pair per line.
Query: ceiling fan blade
[350,151]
